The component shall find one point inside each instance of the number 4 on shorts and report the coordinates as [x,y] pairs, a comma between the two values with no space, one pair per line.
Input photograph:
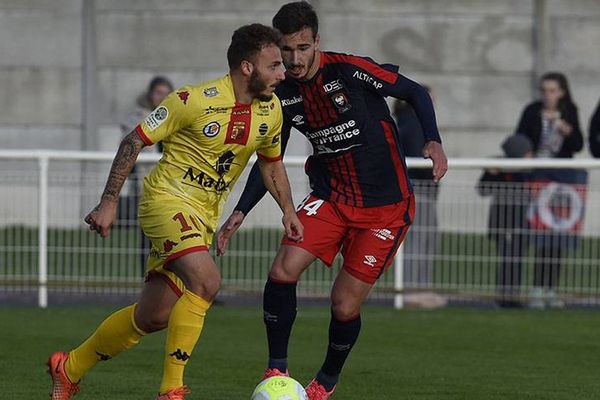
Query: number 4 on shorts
[312,207]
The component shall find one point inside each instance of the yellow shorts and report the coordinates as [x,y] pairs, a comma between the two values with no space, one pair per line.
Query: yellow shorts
[174,228]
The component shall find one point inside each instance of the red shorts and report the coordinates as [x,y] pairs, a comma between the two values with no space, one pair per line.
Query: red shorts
[368,237]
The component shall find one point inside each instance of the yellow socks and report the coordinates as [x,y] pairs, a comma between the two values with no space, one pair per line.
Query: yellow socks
[185,325]
[116,333]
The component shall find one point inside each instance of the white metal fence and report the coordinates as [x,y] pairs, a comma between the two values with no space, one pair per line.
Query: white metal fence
[451,251]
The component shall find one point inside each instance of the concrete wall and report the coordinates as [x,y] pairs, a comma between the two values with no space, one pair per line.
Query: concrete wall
[477,55]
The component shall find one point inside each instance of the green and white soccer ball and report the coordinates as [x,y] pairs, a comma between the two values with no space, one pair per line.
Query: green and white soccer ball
[279,388]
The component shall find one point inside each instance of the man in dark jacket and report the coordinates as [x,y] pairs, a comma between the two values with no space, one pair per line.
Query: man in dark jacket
[422,242]
[507,220]
[595,132]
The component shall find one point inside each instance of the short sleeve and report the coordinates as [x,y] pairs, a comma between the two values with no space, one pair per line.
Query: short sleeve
[270,150]
[174,113]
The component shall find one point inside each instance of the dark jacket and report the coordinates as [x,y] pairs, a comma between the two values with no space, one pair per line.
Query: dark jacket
[530,125]
[510,200]
[412,140]
[595,132]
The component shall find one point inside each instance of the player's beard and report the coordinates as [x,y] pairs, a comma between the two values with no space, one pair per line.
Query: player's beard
[256,87]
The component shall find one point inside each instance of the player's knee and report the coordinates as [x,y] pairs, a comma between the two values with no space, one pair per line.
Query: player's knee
[285,268]
[207,288]
[345,311]
[153,323]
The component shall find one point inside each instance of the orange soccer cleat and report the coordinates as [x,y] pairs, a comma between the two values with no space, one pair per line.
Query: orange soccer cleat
[271,372]
[62,387]
[174,394]
[316,391]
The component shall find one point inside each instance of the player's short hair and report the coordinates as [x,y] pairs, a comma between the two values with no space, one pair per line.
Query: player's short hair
[293,17]
[249,40]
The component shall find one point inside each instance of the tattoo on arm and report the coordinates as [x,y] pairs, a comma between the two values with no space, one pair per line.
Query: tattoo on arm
[122,164]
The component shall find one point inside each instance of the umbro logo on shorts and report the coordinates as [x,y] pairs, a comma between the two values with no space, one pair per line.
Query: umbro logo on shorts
[370,261]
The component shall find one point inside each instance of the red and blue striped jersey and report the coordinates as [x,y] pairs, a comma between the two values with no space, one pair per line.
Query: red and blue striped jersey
[357,159]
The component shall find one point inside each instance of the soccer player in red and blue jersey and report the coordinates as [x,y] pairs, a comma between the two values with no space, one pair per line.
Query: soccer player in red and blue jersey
[362,200]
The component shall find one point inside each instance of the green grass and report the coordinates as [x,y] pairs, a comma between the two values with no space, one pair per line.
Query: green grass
[447,354]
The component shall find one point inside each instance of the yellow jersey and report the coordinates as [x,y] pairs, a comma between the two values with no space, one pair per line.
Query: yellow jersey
[207,139]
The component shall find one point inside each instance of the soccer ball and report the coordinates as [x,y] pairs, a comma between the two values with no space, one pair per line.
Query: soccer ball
[279,388]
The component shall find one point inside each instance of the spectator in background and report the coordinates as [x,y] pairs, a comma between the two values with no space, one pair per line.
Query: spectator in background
[158,88]
[552,124]
[595,132]
[421,242]
[507,221]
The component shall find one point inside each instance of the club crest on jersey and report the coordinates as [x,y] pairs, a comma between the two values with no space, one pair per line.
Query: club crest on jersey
[341,102]
[211,92]
[212,129]
[157,117]
[183,96]
[238,129]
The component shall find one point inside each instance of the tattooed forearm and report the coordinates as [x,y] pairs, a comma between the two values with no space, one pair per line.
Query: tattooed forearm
[121,167]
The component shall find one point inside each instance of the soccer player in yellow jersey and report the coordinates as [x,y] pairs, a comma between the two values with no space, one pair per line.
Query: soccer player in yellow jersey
[209,132]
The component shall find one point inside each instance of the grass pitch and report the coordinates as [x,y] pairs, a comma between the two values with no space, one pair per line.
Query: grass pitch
[447,354]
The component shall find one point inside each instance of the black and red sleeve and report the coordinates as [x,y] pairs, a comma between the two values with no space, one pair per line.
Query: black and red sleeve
[385,80]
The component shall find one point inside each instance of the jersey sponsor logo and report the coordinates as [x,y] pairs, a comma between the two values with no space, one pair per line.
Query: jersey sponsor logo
[322,149]
[212,129]
[333,86]
[224,163]
[211,91]
[341,102]
[383,234]
[205,182]
[216,110]
[367,78]
[298,119]
[332,135]
[370,260]
[264,110]
[157,117]
[241,111]
[289,102]
[183,96]
[263,129]
[189,236]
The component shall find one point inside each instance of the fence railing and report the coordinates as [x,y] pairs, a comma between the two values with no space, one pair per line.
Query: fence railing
[533,249]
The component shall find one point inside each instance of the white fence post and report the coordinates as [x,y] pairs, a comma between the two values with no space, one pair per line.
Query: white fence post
[43,233]
[399,278]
